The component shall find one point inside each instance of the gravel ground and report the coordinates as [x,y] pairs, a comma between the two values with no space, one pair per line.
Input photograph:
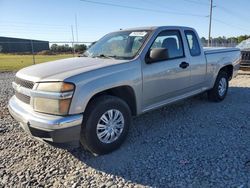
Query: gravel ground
[194,143]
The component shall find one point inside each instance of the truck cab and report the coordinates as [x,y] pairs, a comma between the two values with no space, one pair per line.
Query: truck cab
[181,72]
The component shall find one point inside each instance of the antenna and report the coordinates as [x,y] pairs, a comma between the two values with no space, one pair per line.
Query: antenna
[73,40]
[76,25]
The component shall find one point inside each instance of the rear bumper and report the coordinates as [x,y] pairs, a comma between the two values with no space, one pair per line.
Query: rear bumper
[51,128]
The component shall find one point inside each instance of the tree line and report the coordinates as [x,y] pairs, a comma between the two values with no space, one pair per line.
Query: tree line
[224,41]
[218,41]
[65,48]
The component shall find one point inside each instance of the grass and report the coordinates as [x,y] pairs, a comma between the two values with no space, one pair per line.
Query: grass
[10,62]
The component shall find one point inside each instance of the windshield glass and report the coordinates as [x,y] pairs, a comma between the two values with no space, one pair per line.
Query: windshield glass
[118,45]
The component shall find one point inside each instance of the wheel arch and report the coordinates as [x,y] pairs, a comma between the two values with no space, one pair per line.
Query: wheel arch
[228,69]
[126,93]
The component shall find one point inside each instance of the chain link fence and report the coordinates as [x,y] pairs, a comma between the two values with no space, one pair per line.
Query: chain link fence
[20,54]
[15,55]
[221,44]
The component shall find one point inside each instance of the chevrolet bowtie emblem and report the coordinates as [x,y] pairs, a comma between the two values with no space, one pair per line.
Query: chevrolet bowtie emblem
[18,88]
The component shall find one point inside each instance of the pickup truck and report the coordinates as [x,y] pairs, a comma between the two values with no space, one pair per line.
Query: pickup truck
[126,73]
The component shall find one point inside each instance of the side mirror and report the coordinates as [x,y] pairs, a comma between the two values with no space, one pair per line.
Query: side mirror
[157,54]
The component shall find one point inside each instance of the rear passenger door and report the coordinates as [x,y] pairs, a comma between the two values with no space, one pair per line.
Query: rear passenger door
[166,79]
[197,60]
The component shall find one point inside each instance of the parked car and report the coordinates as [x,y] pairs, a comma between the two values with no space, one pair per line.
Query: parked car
[126,73]
[245,54]
[245,60]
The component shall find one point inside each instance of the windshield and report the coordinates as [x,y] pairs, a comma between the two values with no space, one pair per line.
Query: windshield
[118,45]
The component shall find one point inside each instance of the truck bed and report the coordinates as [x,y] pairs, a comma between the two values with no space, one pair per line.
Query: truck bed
[221,57]
[212,50]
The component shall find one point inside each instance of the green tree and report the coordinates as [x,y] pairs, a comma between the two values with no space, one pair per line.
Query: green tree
[204,41]
[80,48]
[242,37]
[60,48]
[53,47]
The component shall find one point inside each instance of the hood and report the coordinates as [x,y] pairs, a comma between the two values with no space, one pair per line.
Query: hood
[64,68]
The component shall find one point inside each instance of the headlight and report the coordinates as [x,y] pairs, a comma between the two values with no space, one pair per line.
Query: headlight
[55,87]
[53,97]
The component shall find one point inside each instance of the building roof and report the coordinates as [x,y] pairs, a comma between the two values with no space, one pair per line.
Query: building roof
[5,39]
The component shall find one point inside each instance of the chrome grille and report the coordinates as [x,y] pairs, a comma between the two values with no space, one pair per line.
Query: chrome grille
[26,84]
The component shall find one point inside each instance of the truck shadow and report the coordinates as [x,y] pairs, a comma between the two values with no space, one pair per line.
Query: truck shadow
[175,144]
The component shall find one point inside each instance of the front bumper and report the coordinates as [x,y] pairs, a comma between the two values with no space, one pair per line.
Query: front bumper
[51,128]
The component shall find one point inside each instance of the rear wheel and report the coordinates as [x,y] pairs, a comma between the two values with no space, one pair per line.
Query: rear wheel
[105,125]
[219,91]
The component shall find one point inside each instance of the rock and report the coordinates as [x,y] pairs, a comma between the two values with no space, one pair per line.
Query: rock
[177,146]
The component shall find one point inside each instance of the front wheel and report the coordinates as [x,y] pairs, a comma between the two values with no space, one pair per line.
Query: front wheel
[105,125]
[219,91]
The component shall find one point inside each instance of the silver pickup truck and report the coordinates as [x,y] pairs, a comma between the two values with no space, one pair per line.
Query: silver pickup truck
[126,73]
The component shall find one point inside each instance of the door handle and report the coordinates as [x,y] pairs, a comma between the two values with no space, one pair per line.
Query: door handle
[184,65]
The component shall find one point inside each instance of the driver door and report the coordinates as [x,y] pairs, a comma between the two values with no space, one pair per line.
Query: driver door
[166,79]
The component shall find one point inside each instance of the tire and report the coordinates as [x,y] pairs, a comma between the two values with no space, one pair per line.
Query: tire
[97,122]
[219,91]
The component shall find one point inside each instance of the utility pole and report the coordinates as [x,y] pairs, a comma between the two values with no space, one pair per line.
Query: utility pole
[76,24]
[73,45]
[210,23]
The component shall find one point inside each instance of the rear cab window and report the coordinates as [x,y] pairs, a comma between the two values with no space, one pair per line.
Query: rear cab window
[193,43]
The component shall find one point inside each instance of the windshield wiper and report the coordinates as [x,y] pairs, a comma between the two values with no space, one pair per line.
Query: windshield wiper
[83,55]
[105,56]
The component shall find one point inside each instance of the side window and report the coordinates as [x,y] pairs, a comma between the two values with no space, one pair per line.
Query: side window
[170,40]
[193,43]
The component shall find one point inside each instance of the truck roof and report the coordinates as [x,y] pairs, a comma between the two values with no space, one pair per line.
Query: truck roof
[156,27]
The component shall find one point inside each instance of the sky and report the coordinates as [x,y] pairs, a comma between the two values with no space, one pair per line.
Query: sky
[52,19]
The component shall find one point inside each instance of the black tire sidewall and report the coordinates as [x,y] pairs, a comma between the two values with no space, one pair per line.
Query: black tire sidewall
[215,91]
[102,105]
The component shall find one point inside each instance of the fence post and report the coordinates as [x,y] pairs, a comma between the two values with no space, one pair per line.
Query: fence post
[74,51]
[32,50]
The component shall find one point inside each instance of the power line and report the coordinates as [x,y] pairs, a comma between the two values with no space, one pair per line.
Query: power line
[230,12]
[36,26]
[16,27]
[235,14]
[30,23]
[197,2]
[143,9]
[231,25]
[35,41]
[44,27]
[166,12]
[160,4]
[217,20]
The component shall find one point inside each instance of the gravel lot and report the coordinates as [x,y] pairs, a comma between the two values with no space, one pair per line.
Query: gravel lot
[194,143]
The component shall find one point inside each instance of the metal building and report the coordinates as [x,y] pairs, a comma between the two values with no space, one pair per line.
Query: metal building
[14,45]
